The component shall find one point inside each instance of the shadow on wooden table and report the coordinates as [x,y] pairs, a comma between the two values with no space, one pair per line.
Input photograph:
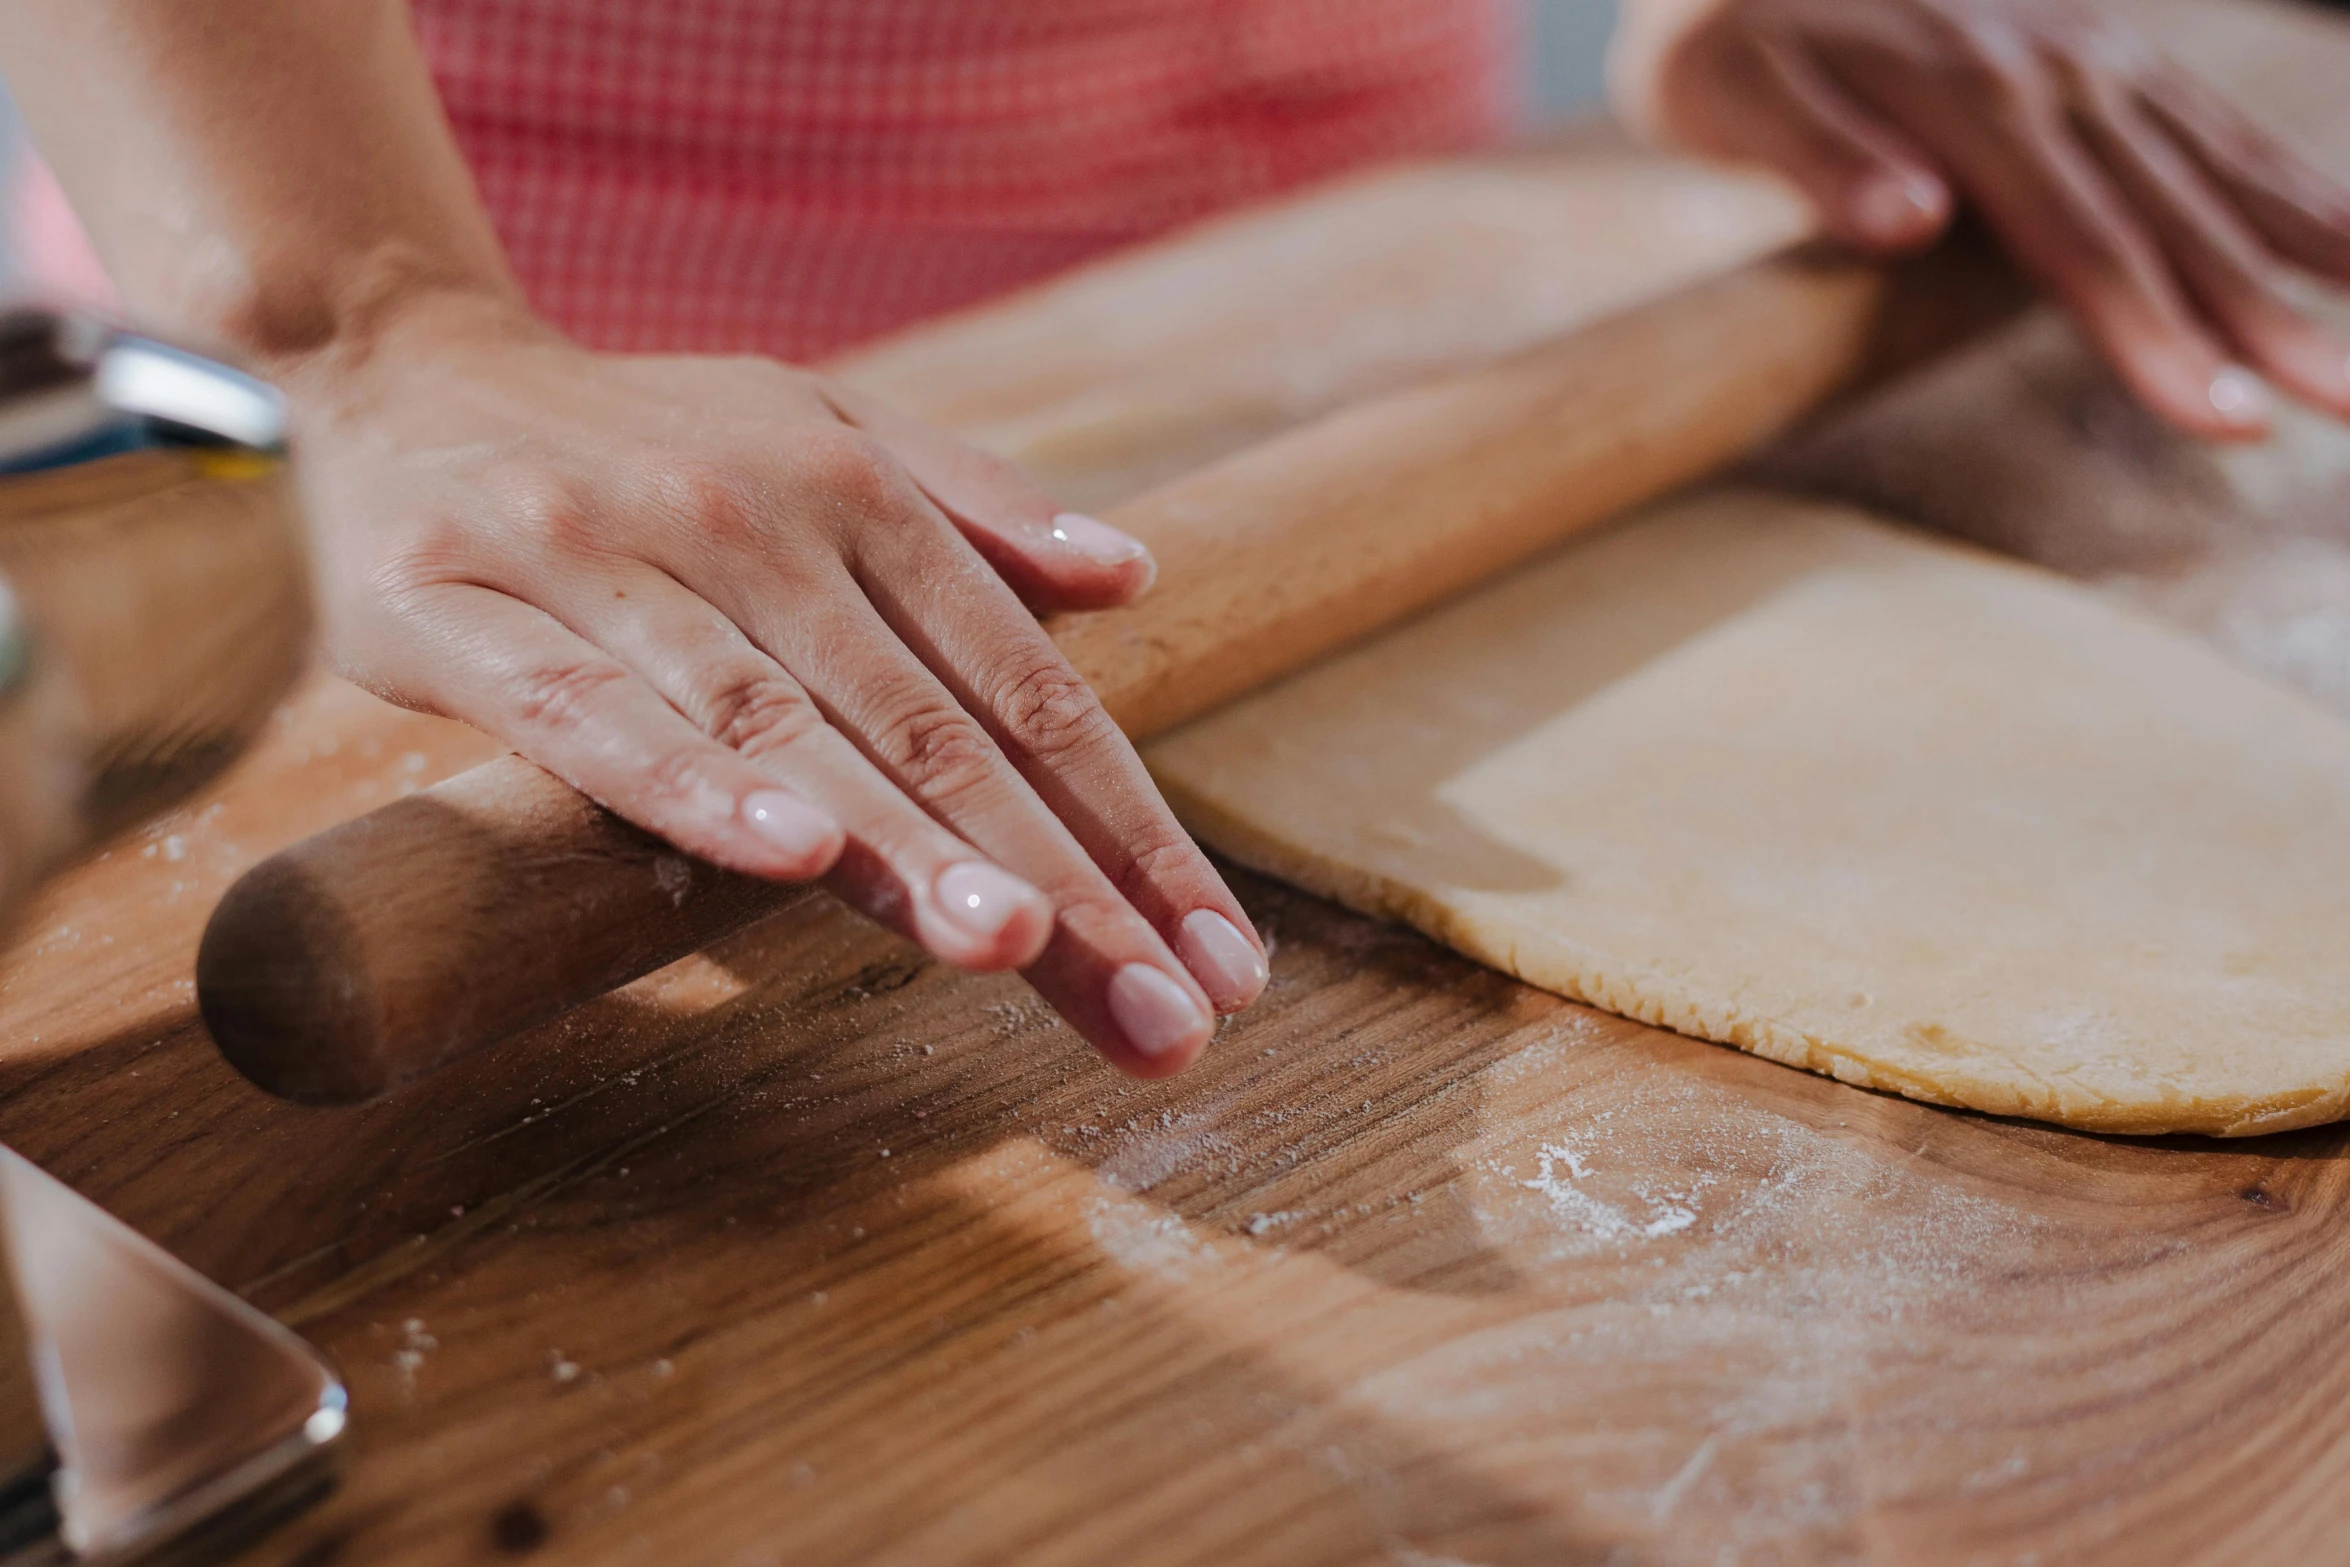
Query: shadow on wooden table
[812,1250]
[800,1117]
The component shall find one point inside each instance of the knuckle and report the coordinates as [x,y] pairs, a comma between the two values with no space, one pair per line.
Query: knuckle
[758,713]
[716,498]
[851,469]
[430,548]
[547,507]
[675,775]
[401,574]
[1164,856]
[561,695]
[942,755]
[1053,712]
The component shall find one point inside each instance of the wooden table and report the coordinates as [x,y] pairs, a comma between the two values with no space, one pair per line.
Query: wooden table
[810,1250]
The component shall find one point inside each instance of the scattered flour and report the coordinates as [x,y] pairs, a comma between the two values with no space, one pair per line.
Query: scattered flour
[1145,1239]
[1144,1151]
[408,1359]
[1668,1215]
[1784,1297]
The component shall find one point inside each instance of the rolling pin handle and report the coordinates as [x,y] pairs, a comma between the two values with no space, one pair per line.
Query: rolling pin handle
[370,954]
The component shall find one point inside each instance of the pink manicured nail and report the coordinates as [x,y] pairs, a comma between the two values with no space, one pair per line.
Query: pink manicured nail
[2238,397]
[788,822]
[1227,964]
[1097,540]
[979,899]
[1897,208]
[1155,1014]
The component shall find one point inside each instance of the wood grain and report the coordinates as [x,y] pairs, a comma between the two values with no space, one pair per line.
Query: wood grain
[646,1289]
[814,1251]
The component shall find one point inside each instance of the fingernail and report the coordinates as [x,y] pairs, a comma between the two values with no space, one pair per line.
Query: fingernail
[979,899]
[788,822]
[2238,397]
[1154,1013]
[1227,964]
[1097,540]
[1898,208]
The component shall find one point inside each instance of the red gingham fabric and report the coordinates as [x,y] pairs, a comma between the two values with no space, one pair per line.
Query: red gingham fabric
[789,176]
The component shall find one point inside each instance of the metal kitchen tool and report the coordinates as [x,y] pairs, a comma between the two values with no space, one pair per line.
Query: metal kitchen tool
[146,1414]
[153,611]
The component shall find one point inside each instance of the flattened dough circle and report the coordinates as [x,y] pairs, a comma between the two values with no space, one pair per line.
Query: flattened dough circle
[1767,772]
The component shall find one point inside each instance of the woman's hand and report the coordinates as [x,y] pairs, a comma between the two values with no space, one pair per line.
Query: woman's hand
[2164,217]
[773,624]
[779,627]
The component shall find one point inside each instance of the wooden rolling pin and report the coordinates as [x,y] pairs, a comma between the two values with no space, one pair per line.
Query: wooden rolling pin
[376,951]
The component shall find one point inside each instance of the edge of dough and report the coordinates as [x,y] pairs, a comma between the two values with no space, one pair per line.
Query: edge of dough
[1552,965]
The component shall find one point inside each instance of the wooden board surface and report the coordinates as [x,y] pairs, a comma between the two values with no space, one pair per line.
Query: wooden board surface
[808,1250]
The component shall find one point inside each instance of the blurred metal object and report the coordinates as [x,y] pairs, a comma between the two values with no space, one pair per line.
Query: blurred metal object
[150,542]
[147,1414]
[153,611]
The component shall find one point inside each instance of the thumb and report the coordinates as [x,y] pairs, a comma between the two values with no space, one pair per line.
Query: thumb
[1875,190]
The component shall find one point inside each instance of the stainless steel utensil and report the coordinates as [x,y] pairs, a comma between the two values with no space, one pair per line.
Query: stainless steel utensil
[152,612]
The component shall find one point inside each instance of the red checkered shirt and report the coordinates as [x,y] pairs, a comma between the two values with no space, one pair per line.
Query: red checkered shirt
[789,176]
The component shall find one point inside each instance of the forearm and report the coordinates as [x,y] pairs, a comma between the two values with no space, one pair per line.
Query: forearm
[269,177]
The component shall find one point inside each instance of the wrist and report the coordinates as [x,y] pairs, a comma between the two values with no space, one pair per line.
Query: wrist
[386,316]
[334,312]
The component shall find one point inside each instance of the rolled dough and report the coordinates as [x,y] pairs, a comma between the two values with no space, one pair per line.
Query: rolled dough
[1766,772]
